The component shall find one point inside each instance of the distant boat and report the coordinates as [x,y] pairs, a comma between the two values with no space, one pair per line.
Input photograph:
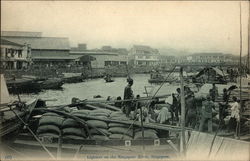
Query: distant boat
[108,79]
[51,83]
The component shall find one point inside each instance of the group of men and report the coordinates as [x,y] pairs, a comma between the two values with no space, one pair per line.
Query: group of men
[199,110]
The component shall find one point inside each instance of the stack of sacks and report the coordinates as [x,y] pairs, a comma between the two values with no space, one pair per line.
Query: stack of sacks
[120,131]
[50,125]
[98,129]
[71,129]
[118,115]
[80,113]
[148,134]
[100,113]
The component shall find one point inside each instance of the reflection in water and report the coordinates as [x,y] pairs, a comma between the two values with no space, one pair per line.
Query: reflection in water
[90,88]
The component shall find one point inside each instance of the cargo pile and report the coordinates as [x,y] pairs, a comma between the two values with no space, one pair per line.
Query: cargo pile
[101,128]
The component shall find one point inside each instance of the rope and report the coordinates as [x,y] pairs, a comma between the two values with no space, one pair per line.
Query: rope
[152,98]
[50,154]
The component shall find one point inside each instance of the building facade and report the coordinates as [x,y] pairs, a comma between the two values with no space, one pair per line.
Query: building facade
[47,51]
[140,55]
[14,55]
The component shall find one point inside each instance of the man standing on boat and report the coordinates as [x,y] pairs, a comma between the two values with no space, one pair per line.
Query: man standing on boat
[235,116]
[207,107]
[213,92]
[128,94]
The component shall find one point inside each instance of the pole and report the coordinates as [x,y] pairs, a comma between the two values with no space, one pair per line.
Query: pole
[238,124]
[59,148]
[142,129]
[248,39]
[182,141]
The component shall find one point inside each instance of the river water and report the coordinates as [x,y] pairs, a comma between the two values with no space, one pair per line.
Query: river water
[90,88]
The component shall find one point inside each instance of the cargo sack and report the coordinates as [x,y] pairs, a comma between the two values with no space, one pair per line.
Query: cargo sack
[101,111]
[70,123]
[118,125]
[48,129]
[148,134]
[97,123]
[121,130]
[101,117]
[98,114]
[99,132]
[99,137]
[48,135]
[51,120]
[81,116]
[120,137]
[74,131]
[150,130]
[81,112]
[115,114]
[121,118]
[73,137]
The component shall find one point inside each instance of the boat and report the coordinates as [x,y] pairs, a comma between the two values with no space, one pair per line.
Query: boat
[156,77]
[11,113]
[51,83]
[23,85]
[73,77]
[108,79]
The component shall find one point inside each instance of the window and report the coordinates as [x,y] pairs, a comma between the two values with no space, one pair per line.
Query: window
[140,57]
[147,57]
[107,63]
[123,62]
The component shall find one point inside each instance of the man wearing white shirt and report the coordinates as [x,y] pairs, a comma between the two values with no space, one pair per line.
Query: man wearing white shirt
[235,115]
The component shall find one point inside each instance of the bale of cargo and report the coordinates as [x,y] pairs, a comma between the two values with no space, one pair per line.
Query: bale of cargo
[148,134]
[99,137]
[50,114]
[70,123]
[48,129]
[48,135]
[100,131]
[51,120]
[98,114]
[121,130]
[118,125]
[97,124]
[120,137]
[81,112]
[121,118]
[73,137]
[116,114]
[74,131]
[101,111]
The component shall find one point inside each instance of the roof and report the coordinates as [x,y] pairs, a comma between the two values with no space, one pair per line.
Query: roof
[54,58]
[6,42]
[91,53]
[56,43]
[207,54]
[218,71]
[21,34]
[145,48]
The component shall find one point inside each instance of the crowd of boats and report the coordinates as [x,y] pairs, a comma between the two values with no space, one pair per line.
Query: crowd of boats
[24,119]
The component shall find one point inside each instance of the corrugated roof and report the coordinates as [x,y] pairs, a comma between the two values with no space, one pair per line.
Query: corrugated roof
[21,34]
[55,58]
[56,43]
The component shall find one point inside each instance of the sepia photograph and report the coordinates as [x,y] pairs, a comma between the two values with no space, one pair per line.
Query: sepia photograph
[125,80]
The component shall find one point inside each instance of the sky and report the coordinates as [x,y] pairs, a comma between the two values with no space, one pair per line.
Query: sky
[198,26]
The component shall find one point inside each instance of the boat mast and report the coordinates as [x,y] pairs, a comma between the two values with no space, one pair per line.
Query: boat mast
[248,38]
[240,67]
[182,138]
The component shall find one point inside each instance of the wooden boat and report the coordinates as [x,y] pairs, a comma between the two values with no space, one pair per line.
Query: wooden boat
[51,83]
[73,77]
[11,114]
[23,85]
[108,79]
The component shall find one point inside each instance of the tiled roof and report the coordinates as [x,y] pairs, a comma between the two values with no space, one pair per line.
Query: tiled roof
[56,43]
[21,34]
[207,54]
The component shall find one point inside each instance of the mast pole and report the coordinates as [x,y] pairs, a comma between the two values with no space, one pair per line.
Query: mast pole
[182,138]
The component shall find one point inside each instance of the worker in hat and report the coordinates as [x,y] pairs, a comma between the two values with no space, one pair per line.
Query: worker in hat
[207,107]
[191,111]
[128,94]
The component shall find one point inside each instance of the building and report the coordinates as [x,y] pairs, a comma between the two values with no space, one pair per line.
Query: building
[166,60]
[44,50]
[14,55]
[100,58]
[211,58]
[140,55]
